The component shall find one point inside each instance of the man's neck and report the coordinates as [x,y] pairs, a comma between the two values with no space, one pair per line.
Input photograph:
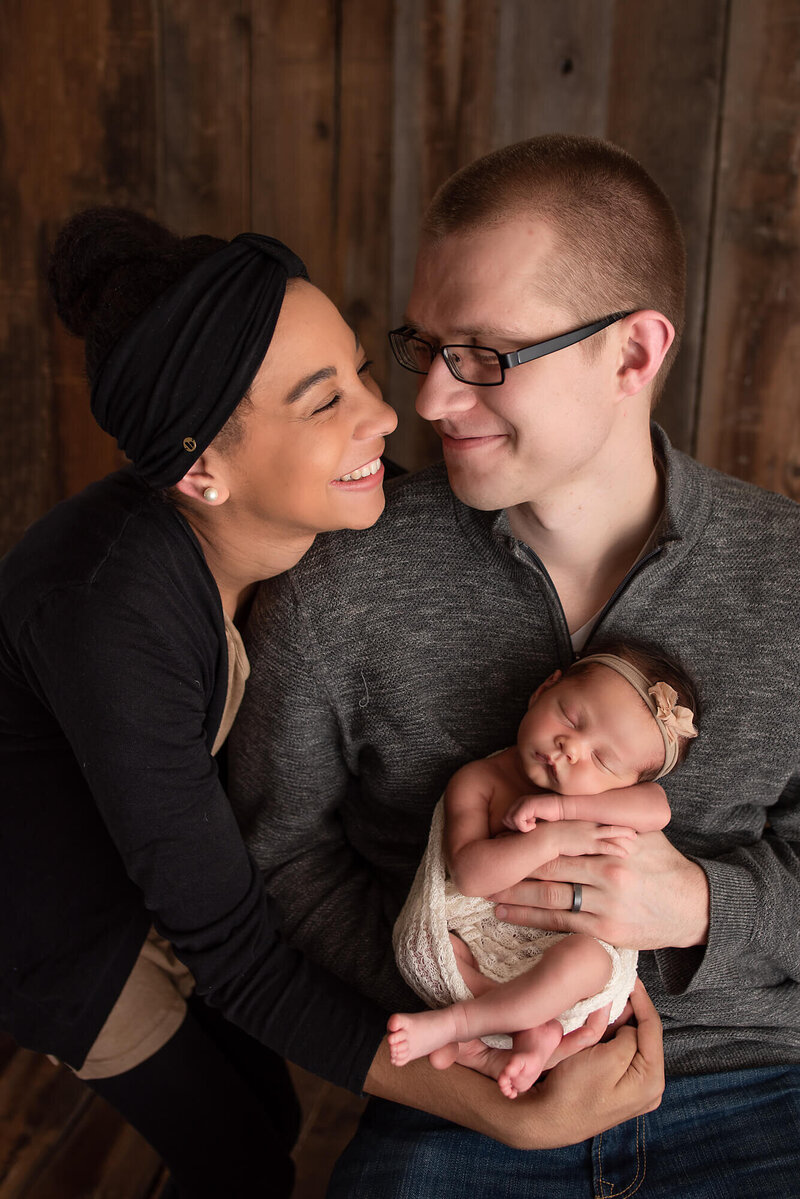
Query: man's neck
[590,532]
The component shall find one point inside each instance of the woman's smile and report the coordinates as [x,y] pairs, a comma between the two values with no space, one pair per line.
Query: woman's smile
[365,473]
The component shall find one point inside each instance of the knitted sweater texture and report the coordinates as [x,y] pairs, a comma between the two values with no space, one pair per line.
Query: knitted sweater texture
[387,659]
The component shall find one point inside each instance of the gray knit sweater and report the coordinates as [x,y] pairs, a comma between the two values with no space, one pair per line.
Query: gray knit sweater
[389,658]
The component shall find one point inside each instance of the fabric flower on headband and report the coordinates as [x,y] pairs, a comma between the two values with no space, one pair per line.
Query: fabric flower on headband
[677,721]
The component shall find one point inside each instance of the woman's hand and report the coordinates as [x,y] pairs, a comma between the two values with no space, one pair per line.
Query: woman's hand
[652,898]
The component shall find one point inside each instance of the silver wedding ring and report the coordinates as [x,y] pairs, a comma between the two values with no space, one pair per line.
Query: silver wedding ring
[577,897]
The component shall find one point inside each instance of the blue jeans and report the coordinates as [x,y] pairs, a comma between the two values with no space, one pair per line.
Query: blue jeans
[715,1136]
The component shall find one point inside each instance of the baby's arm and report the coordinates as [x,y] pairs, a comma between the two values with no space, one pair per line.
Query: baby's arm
[480,864]
[642,807]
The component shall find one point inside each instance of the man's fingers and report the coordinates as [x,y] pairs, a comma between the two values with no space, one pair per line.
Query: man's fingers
[597,1022]
[640,1049]
[610,831]
[539,895]
[637,1047]
[581,1038]
[616,848]
[556,920]
[539,892]
[610,1082]
[623,1018]
[589,1034]
[648,1022]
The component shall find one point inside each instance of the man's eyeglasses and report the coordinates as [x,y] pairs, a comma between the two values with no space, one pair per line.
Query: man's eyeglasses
[482,366]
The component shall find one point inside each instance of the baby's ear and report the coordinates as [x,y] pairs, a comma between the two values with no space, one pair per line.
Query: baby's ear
[545,686]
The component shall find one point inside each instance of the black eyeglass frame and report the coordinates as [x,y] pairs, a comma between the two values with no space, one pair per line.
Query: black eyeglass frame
[539,349]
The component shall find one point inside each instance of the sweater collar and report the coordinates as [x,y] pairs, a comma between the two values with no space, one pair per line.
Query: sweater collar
[687,502]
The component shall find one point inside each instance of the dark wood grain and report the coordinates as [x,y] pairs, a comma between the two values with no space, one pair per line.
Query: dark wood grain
[296,130]
[58,1141]
[749,417]
[331,123]
[100,1156]
[444,61]
[553,69]
[204,110]
[665,85]
[77,113]
[363,175]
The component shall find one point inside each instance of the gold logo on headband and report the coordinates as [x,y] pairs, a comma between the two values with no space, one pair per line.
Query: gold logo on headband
[189,444]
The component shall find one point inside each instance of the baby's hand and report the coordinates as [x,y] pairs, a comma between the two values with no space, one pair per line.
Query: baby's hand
[579,837]
[523,814]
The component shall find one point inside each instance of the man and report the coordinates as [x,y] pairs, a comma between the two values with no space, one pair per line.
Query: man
[563,517]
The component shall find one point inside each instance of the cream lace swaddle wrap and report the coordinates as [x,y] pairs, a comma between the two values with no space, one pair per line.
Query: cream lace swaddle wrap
[426,959]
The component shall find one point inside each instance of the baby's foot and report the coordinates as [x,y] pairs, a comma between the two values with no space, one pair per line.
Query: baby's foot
[415,1034]
[519,1074]
[533,1048]
[440,1059]
[483,1058]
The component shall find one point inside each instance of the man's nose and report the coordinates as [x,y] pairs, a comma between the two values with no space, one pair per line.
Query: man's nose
[441,395]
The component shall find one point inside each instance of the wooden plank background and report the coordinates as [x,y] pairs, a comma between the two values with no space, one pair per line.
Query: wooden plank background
[329,123]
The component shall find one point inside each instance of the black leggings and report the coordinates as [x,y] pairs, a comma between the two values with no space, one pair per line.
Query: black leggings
[217,1106]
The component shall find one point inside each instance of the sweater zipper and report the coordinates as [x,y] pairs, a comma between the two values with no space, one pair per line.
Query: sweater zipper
[632,573]
[606,608]
[534,557]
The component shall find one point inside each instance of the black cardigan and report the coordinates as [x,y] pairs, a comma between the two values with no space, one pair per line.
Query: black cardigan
[113,674]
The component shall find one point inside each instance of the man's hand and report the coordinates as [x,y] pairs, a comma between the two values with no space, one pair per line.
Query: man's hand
[594,1029]
[627,1074]
[650,899]
[581,1097]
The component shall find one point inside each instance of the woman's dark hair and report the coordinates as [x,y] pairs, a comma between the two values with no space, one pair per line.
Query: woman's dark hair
[108,265]
[656,667]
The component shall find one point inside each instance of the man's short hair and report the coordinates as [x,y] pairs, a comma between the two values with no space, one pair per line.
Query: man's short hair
[619,244]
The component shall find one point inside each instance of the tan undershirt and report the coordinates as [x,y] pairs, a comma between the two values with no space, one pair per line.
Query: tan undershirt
[238,674]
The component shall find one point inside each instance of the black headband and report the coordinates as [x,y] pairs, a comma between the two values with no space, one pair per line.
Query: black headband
[175,376]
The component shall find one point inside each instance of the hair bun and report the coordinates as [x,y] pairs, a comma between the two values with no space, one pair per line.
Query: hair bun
[108,265]
[89,251]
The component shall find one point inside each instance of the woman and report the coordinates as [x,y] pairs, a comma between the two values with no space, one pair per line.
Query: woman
[246,406]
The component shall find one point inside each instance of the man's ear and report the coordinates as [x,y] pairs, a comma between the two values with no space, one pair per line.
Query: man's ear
[203,483]
[646,338]
[545,686]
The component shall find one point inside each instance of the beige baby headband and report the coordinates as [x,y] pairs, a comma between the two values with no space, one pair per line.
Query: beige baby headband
[673,721]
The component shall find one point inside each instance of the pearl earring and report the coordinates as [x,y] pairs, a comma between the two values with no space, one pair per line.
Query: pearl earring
[210,494]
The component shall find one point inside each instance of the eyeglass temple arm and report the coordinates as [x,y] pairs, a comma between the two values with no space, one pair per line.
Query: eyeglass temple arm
[559,343]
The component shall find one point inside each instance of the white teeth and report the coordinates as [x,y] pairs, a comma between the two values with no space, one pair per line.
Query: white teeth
[371,468]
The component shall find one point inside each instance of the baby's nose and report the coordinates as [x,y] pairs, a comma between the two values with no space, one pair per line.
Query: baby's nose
[569,747]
